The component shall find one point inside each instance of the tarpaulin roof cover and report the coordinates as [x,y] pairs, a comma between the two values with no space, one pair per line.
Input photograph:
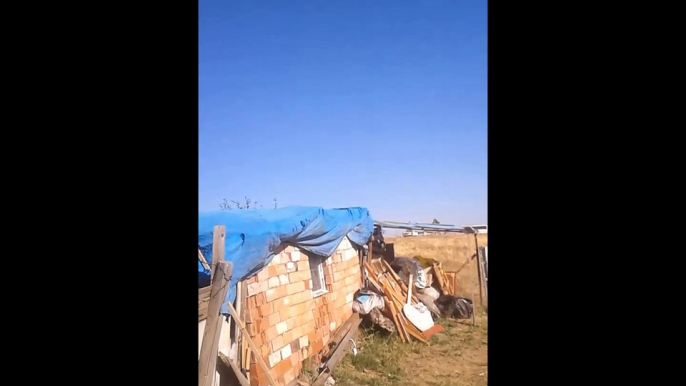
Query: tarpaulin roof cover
[252,236]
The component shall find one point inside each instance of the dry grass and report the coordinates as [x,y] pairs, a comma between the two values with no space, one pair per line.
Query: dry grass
[451,250]
[457,356]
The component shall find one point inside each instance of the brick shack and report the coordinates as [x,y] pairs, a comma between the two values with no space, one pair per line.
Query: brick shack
[297,303]
[298,273]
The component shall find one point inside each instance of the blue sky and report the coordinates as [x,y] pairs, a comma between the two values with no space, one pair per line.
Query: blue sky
[381,104]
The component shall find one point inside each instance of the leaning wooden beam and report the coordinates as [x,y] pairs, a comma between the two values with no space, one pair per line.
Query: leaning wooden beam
[239,308]
[254,348]
[340,352]
[203,260]
[228,362]
[210,339]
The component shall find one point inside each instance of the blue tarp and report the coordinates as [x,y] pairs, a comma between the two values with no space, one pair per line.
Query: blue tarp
[252,236]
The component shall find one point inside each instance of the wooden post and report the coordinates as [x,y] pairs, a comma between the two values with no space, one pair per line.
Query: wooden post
[478,270]
[219,235]
[203,261]
[246,336]
[221,274]
[210,338]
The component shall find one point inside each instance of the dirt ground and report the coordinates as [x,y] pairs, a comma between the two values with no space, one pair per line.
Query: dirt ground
[457,356]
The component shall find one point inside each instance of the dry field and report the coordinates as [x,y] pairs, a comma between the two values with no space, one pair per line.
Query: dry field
[457,356]
[451,250]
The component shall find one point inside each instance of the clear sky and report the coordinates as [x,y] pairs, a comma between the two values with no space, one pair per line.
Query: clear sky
[337,103]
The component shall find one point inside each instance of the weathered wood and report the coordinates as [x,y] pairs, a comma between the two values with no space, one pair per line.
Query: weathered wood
[391,310]
[236,335]
[239,375]
[202,260]
[203,309]
[340,333]
[218,241]
[340,352]
[397,313]
[478,269]
[256,350]
[204,292]
[245,364]
[210,339]
[439,278]
[203,302]
[409,292]
[433,330]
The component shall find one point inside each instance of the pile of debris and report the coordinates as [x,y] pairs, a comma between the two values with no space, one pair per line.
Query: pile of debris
[406,295]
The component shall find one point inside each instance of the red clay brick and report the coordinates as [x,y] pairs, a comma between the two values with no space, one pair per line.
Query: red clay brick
[302,308]
[282,291]
[297,332]
[282,367]
[303,265]
[263,275]
[255,314]
[261,324]
[252,329]
[277,343]
[260,299]
[266,309]
[280,269]
[291,323]
[270,334]
[294,276]
[285,313]
[318,345]
[273,319]
[287,337]
[271,270]
[257,340]
[264,351]
[257,375]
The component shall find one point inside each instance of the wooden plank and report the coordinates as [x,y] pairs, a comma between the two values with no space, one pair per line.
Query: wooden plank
[478,270]
[340,352]
[433,330]
[218,242]
[236,331]
[396,276]
[210,340]
[399,315]
[254,348]
[203,261]
[340,333]
[229,363]
[203,309]
[203,302]
[204,292]
[439,278]
[391,310]
[245,362]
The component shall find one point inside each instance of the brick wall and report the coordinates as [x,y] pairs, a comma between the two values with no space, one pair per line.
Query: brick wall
[288,323]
